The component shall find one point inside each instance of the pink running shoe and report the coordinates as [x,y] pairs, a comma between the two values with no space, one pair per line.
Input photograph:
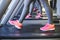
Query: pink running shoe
[35,9]
[38,16]
[48,27]
[16,24]
[11,22]
[28,16]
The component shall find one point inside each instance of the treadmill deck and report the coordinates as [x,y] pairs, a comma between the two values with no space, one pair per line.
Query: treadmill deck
[28,31]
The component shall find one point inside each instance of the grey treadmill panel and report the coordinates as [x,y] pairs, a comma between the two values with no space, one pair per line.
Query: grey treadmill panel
[9,11]
[3,6]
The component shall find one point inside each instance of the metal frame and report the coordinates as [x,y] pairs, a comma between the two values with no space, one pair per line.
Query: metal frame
[9,11]
[3,6]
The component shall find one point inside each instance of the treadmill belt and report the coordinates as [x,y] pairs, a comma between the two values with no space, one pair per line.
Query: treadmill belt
[28,31]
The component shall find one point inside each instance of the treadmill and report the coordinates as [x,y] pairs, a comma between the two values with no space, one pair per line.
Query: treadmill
[30,30]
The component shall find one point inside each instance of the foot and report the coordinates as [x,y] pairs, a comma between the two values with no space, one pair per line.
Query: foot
[16,24]
[35,9]
[11,22]
[28,16]
[48,27]
[38,16]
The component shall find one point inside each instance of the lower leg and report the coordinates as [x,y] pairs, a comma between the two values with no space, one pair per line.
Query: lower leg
[48,11]
[21,5]
[40,7]
[25,10]
[30,10]
[18,24]
[50,25]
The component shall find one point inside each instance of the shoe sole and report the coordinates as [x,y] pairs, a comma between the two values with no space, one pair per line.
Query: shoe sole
[52,29]
[18,27]
[49,29]
[11,23]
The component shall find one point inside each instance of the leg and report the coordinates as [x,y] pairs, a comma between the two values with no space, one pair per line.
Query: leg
[31,7]
[18,11]
[15,11]
[21,5]
[25,10]
[39,12]
[48,11]
[40,7]
[50,25]
[30,10]
[18,24]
